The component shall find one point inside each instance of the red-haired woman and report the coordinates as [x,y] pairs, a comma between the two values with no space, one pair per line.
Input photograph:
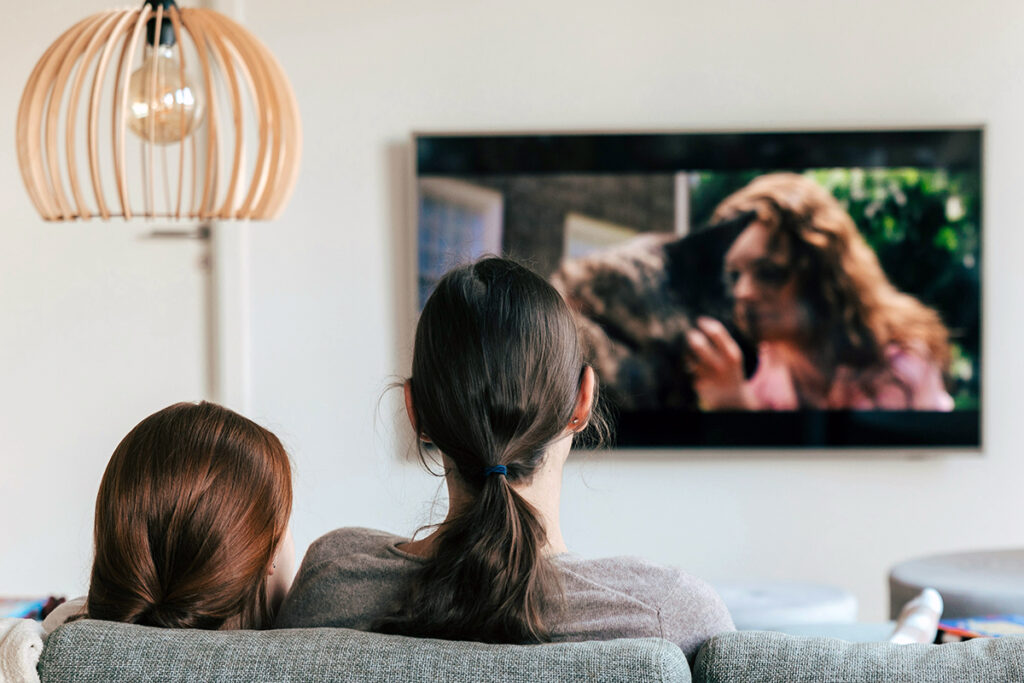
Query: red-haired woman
[191,525]
[832,331]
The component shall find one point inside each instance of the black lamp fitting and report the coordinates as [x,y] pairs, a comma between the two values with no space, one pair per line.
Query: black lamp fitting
[166,27]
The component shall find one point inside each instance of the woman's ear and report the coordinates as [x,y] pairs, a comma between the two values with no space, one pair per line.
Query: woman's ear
[407,387]
[584,400]
[282,570]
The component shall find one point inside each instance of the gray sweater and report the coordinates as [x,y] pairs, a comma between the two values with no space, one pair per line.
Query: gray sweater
[352,577]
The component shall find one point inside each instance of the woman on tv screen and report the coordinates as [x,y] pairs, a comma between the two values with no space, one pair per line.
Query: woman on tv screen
[830,329]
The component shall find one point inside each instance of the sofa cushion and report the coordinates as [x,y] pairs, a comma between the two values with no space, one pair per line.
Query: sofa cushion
[89,650]
[776,657]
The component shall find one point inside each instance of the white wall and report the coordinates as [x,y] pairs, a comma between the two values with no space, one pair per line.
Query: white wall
[98,328]
[328,277]
[331,280]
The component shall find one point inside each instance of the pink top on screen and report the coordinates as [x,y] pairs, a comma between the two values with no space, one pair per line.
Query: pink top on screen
[910,382]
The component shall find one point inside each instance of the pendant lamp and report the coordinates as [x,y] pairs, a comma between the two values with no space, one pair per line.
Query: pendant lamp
[158,112]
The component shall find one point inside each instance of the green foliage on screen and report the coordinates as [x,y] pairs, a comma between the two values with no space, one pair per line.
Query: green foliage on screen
[925,227]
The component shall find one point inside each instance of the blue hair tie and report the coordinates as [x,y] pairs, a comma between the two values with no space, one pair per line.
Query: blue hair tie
[497,469]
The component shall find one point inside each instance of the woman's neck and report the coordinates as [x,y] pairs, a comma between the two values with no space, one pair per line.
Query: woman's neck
[543,491]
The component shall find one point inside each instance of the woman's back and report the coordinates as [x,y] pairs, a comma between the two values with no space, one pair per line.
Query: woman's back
[352,577]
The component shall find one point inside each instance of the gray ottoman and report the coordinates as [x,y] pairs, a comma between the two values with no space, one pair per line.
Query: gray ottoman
[971,584]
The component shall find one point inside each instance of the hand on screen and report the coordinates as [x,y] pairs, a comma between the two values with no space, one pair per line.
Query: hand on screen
[717,364]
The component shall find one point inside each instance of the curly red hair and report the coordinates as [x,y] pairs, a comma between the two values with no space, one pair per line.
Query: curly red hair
[855,306]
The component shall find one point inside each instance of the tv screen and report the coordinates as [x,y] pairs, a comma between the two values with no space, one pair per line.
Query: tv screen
[758,289]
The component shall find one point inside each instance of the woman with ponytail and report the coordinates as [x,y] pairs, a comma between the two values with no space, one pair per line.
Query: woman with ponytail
[499,391]
[191,527]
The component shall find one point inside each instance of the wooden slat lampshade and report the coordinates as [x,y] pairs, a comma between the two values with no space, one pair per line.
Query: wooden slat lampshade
[206,129]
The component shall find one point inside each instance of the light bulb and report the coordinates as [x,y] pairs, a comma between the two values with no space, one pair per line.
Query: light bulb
[168,104]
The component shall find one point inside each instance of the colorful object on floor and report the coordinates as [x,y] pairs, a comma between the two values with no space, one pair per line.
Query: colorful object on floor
[28,608]
[995,626]
[22,608]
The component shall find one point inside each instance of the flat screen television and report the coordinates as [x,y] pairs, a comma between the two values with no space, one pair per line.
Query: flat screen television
[740,289]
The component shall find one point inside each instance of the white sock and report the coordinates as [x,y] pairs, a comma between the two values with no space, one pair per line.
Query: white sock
[919,619]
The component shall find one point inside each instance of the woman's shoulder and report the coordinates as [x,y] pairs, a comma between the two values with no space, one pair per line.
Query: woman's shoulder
[644,581]
[349,541]
[346,578]
[625,570]
[638,597]
[920,375]
[63,613]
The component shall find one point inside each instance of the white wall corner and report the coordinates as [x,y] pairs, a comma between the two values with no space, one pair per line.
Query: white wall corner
[229,323]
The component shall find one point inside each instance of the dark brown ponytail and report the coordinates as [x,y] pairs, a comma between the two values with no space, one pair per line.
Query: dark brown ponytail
[191,509]
[497,368]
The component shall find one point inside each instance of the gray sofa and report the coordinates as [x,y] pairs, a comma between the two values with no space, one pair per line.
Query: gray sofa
[771,657]
[101,651]
[91,651]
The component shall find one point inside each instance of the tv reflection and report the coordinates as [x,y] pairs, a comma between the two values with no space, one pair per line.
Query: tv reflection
[779,305]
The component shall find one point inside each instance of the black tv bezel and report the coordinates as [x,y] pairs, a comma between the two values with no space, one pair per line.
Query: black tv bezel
[955,148]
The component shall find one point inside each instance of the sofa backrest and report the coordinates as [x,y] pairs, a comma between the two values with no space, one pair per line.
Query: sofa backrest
[89,650]
[775,658]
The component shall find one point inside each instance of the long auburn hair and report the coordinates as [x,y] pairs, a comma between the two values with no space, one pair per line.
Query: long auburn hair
[497,368]
[191,509]
[853,304]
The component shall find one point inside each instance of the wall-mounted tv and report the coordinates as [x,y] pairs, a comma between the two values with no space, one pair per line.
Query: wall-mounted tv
[741,289]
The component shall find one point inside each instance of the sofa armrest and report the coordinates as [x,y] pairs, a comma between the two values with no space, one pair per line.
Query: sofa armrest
[776,657]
